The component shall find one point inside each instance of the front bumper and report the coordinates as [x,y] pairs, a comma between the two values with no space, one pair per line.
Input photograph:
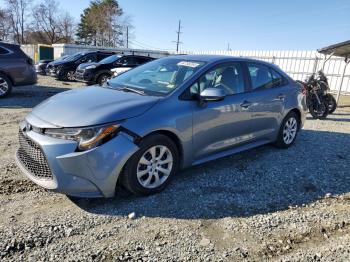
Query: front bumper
[39,69]
[51,72]
[84,76]
[92,173]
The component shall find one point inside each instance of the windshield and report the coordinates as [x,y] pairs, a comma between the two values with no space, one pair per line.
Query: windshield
[110,59]
[159,77]
[74,57]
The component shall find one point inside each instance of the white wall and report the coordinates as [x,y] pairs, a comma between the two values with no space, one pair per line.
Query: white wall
[299,64]
[68,49]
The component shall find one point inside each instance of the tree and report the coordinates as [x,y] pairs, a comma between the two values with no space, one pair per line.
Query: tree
[100,24]
[50,24]
[16,10]
[4,25]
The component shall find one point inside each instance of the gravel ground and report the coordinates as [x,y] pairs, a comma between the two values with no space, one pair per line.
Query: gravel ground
[264,204]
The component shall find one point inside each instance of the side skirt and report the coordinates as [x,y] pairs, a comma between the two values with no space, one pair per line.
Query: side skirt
[231,151]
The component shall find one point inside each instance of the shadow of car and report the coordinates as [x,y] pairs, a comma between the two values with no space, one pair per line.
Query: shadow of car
[258,181]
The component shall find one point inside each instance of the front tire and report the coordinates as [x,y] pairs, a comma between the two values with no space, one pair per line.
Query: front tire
[102,79]
[288,130]
[318,111]
[332,103]
[150,169]
[5,86]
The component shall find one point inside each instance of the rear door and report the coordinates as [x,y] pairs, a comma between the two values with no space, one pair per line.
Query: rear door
[17,65]
[265,101]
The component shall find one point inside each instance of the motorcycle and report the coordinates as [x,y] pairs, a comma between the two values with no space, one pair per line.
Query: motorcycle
[323,81]
[316,97]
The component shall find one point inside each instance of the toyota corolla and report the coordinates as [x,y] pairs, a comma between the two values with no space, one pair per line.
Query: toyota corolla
[145,125]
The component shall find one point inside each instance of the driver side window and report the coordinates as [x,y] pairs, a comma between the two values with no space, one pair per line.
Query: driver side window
[87,59]
[228,77]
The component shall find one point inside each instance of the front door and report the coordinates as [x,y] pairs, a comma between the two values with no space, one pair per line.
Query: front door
[220,125]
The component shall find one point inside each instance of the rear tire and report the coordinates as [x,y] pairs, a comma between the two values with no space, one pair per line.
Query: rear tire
[5,86]
[288,131]
[150,169]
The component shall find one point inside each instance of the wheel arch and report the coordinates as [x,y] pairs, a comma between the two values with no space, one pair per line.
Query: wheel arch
[174,138]
[8,76]
[104,72]
[298,113]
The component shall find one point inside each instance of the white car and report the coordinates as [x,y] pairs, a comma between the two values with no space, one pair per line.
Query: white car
[119,70]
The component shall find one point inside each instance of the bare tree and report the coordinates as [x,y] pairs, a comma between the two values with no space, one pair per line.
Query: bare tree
[4,25]
[46,20]
[67,25]
[16,10]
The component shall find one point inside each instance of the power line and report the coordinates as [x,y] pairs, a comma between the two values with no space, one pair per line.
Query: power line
[178,37]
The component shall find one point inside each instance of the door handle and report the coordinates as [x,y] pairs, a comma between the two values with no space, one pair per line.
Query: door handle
[281,96]
[246,104]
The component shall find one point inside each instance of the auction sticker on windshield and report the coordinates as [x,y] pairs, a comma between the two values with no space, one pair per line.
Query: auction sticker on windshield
[188,64]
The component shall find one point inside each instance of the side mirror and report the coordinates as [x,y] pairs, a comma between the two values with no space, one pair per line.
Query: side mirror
[212,94]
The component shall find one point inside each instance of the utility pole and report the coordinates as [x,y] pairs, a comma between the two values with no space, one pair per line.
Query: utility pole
[127,37]
[178,37]
[228,47]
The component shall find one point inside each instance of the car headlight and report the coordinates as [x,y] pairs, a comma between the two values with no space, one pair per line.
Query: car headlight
[91,67]
[87,138]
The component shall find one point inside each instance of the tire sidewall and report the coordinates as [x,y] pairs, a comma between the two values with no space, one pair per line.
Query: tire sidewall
[99,79]
[130,180]
[331,102]
[9,84]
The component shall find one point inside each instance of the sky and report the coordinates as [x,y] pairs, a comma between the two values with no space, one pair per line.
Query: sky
[244,25]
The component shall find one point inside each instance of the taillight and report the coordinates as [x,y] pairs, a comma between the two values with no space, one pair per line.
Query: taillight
[304,90]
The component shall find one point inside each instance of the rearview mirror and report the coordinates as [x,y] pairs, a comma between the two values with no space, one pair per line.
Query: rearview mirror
[212,94]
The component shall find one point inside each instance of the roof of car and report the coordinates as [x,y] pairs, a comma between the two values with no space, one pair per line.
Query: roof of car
[217,58]
[8,44]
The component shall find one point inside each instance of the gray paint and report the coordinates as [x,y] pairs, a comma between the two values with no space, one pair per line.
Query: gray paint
[205,132]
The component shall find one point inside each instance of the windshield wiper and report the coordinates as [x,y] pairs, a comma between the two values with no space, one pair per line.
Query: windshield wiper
[128,89]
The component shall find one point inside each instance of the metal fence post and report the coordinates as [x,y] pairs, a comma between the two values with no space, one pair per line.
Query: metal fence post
[315,65]
[342,79]
[273,59]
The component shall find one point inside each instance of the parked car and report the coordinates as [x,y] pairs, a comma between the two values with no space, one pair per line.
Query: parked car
[40,66]
[119,70]
[65,69]
[16,68]
[146,124]
[100,72]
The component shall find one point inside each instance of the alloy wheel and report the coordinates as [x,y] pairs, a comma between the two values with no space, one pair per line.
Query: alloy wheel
[290,130]
[155,166]
[70,76]
[3,86]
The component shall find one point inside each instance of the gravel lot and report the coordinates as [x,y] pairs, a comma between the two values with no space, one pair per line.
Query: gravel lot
[264,204]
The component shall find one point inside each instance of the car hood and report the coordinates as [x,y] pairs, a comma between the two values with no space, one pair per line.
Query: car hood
[60,62]
[92,106]
[85,65]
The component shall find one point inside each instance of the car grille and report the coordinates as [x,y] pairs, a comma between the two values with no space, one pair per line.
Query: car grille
[32,158]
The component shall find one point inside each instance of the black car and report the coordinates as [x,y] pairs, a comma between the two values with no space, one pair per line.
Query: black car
[40,66]
[98,73]
[16,68]
[65,69]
